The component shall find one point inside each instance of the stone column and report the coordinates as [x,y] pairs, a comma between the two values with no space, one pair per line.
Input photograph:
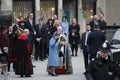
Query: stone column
[81,17]
[101,7]
[6,7]
[60,9]
[37,10]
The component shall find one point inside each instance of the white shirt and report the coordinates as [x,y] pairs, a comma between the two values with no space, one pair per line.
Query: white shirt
[86,37]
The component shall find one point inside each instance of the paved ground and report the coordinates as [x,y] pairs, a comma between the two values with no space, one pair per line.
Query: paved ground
[41,74]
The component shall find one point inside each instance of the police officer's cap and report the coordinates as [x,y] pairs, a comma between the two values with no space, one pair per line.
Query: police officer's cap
[105,47]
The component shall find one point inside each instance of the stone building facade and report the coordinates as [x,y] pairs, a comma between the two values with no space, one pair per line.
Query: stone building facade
[83,10]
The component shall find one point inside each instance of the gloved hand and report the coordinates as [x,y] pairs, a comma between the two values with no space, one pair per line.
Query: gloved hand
[56,40]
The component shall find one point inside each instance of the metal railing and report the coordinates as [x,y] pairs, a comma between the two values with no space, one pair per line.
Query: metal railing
[110,30]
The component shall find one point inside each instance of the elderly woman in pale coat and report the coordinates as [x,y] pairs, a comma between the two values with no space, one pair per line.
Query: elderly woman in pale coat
[53,59]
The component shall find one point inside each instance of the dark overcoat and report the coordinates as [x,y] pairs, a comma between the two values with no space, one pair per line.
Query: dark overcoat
[102,69]
[76,38]
[23,55]
[95,41]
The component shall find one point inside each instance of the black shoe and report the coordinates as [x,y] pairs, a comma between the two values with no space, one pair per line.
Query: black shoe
[2,73]
[72,55]
[21,75]
[8,70]
[33,66]
[49,73]
[53,74]
[42,59]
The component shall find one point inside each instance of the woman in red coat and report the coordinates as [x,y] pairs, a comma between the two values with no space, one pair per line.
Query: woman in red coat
[5,47]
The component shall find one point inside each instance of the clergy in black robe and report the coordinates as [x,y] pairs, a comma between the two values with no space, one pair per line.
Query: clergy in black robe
[24,63]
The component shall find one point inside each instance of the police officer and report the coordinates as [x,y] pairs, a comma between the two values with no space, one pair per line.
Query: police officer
[103,68]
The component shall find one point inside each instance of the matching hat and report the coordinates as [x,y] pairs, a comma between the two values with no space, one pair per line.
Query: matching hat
[105,47]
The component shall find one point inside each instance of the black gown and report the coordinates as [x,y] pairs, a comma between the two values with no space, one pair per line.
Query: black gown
[23,50]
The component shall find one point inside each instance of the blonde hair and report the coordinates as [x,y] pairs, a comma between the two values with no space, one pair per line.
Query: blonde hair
[19,31]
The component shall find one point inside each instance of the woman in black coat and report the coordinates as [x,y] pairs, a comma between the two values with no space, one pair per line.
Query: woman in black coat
[12,56]
[48,35]
[74,36]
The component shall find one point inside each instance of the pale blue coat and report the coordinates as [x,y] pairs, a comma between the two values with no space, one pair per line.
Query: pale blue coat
[53,59]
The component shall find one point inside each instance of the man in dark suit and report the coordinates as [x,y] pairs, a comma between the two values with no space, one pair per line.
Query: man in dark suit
[95,41]
[29,24]
[40,40]
[84,45]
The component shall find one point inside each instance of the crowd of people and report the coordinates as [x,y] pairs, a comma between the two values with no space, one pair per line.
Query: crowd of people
[51,40]
[21,38]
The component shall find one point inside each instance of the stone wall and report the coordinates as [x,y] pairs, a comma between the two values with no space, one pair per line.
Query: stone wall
[113,11]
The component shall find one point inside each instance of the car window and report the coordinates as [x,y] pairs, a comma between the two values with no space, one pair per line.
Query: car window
[116,36]
[115,41]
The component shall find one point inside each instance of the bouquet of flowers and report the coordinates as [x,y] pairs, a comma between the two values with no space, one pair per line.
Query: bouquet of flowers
[62,42]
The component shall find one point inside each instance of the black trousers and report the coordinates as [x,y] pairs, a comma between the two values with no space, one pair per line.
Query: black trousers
[36,50]
[74,47]
[9,62]
[42,49]
[86,56]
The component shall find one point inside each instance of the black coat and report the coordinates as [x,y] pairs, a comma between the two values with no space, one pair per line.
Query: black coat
[31,28]
[40,33]
[53,29]
[48,34]
[23,55]
[92,24]
[95,40]
[102,70]
[76,38]
[12,38]
[102,24]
